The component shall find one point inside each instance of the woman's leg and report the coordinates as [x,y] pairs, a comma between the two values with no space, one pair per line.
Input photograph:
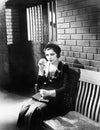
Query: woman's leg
[33,116]
[52,109]
[39,111]
[42,112]
[24,109]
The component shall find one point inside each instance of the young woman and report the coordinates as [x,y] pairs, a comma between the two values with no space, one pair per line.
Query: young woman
[53,85]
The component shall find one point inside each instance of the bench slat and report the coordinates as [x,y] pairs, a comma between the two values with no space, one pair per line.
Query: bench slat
[97,114]
[91,101]
[88,97]
[95,102]
[90,76]
[84,98]
[77,107]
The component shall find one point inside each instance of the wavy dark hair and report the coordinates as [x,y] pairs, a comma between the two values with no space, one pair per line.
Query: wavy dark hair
[54,47]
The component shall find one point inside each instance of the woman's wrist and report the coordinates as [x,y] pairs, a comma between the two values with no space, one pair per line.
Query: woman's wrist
[46,93]
[52,93]
[41,72]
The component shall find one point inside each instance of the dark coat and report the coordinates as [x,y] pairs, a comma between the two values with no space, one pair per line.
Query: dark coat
[59,82]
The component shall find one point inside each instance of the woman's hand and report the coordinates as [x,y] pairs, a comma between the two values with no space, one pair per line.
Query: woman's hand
[47,93]
[44,93]
[41,65]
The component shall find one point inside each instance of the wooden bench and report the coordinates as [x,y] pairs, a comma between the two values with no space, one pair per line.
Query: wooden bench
[87,107]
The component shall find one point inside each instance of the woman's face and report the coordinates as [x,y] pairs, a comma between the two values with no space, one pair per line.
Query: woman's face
[51,56]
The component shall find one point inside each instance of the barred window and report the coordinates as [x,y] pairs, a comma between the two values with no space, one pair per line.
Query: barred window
[41,22]
[35,23]
[52,21]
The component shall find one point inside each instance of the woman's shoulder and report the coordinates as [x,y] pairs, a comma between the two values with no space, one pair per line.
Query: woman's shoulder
[63,65]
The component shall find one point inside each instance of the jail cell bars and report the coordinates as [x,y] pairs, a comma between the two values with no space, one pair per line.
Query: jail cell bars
[34,23]
[52,21]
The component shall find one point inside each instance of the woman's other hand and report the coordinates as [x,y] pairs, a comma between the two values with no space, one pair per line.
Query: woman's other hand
[44,93]
[47,93]
[41,65]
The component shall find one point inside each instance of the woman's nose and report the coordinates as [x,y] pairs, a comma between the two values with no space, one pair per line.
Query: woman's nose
[49,57]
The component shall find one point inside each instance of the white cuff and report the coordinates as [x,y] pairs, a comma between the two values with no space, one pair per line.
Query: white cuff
[41,73]
[52,93]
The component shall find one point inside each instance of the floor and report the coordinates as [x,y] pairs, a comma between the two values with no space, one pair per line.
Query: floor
[10,104]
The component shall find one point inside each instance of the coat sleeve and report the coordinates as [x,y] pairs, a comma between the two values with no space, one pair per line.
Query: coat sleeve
[65,84]
[40,81]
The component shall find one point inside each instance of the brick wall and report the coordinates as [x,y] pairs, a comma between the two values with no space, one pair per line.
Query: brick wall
[78,28]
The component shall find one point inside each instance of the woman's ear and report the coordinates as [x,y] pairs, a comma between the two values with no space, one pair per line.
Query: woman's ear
[58,55]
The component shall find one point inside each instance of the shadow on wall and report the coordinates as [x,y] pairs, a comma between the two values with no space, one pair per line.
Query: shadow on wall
[22,66]
[77,64]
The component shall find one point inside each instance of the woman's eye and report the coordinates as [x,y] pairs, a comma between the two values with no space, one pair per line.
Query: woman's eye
[46,55]
[52,54]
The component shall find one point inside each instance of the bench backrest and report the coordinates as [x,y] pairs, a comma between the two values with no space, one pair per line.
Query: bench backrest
[88,98]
